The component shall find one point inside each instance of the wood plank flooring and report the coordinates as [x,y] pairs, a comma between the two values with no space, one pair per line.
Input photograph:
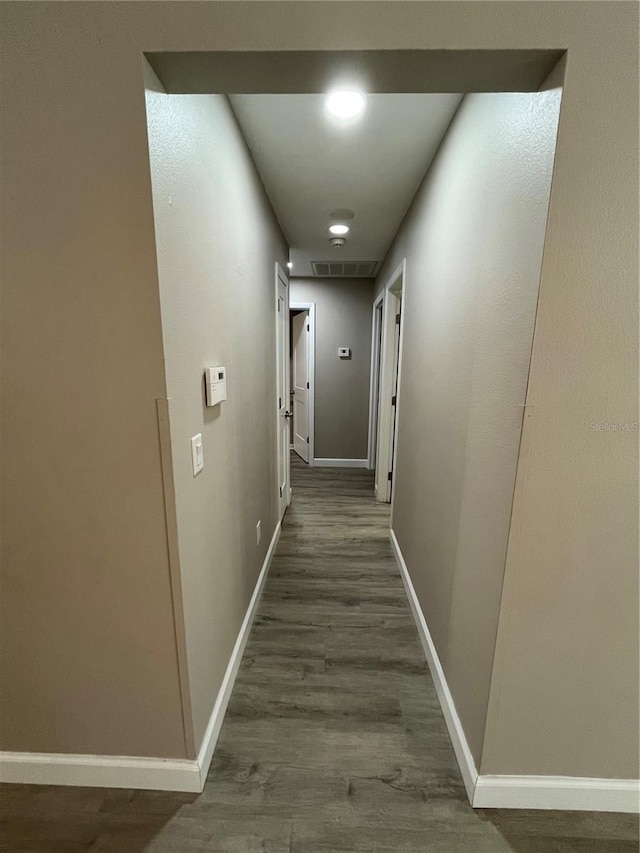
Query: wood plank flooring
[333,740]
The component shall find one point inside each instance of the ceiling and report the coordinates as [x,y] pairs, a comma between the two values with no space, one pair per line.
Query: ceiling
[312,165]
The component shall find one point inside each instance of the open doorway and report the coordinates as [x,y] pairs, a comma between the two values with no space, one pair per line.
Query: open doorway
[460,331]
[283,414]
[386,362]
[302,326]
[374,391]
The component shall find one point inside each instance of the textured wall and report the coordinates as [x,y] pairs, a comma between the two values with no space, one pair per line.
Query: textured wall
[88,653]
[564,692]
[473,241]
[88,637]
[343,318]
[218,242]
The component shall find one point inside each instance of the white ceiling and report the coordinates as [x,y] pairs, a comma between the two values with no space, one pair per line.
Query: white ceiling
[312,165]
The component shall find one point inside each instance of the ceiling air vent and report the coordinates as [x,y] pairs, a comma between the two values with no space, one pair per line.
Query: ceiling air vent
[344,269]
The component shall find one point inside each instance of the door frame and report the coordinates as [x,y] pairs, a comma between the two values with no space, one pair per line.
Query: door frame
[387,447]
[374,375]
[311,408]
[282,501]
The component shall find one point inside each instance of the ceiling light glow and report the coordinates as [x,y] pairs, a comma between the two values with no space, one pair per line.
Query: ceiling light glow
[290,265]
[338,229]
[345,103]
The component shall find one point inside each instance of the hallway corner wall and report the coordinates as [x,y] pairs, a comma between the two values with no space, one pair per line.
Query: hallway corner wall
[217,242]
[87,638]
[473,241]
[343,318]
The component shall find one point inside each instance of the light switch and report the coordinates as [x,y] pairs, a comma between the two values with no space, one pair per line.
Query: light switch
[344,352]
[197,454]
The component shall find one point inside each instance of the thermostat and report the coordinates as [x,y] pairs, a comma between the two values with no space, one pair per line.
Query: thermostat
[215,381]
[344,352]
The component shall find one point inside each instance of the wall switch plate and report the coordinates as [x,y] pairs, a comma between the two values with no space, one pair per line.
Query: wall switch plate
[344,352]
[258,532]
[197,454]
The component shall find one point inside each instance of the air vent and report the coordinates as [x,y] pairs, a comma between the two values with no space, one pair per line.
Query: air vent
[344,269]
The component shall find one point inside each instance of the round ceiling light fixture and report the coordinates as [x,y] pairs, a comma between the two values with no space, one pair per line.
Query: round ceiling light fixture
[345,103]
[339,229]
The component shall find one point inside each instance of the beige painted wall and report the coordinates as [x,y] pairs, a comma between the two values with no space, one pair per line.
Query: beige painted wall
[218,242]
[343,318]
[473,242]
[88,659]
[566,665]
[88,641]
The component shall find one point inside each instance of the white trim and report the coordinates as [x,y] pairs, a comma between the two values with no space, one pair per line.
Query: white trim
[394,450]
[374,385]
[100,771]
[155,774]
[311,399]
[456,733]
[390,375]
[219,709]
[341,463]
[570,793]
[283,501]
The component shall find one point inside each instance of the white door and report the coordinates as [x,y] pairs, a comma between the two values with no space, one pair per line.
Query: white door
[390,381]
[300,333]
[375,384]
[282,388]
[394,398]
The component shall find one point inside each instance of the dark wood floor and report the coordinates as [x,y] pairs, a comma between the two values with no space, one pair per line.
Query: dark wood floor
[333,740]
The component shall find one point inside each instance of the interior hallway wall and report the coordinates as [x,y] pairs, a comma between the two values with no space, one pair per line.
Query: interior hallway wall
[564,690]
[343,319]
[88,644]
[473,240]
[218,242]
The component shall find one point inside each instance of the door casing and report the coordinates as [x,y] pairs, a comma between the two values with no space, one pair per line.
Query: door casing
[390,380]
[374,386]
[283,463]
[311,308]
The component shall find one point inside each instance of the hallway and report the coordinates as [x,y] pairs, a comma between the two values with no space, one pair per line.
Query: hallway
[333,742]
[334,739]
[334,724]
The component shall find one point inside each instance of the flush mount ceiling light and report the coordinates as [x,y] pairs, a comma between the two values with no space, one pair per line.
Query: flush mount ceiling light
[338,229]
[345,103]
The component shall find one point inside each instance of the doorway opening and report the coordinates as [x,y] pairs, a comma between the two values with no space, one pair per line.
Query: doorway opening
[283,415]
[302,346]
[453,288]
[374,391]
[386,366]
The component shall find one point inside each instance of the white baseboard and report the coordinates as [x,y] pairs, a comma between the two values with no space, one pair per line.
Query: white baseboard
[456,733]
[100,771]
[341,463]
[570,793]
[513,792]
[219,709]
[156,774]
